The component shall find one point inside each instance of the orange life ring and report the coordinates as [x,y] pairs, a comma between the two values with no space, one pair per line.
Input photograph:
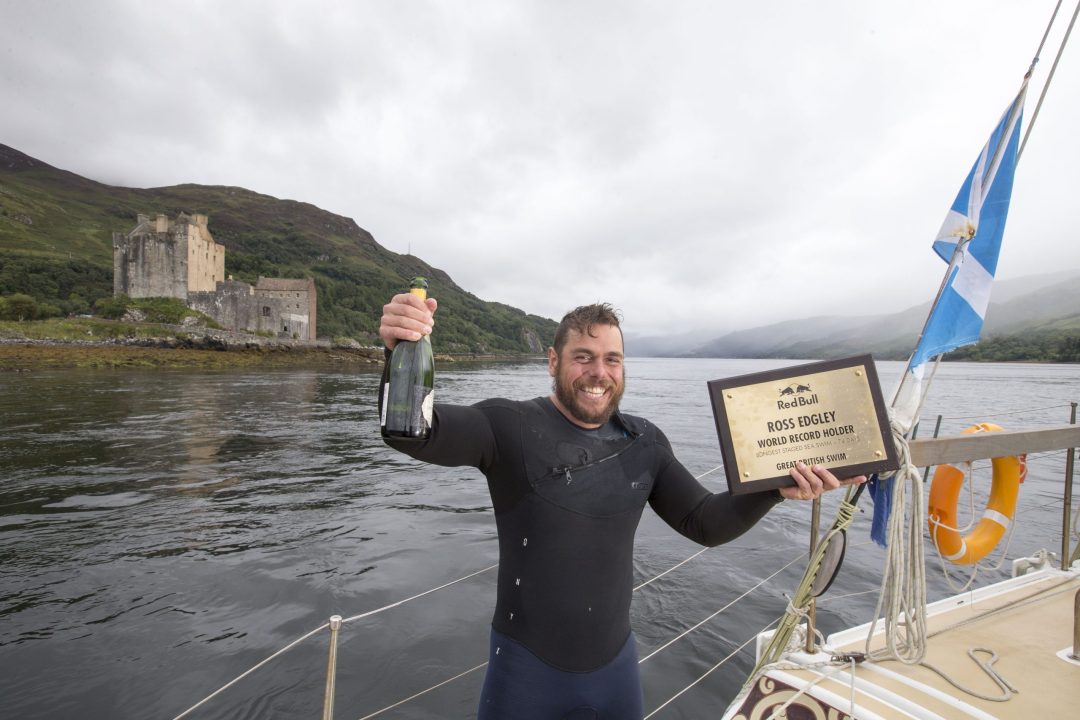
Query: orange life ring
[1009,472]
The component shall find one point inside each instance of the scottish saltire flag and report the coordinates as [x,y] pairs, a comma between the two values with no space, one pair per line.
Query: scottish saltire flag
[969,240]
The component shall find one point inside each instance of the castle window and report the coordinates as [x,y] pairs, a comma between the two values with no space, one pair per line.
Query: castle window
[284,328]
[266,311]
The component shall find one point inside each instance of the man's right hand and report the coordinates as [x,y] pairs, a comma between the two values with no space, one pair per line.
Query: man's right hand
[406,317]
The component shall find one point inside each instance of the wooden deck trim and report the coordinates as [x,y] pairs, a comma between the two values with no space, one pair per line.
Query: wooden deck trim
[978,446]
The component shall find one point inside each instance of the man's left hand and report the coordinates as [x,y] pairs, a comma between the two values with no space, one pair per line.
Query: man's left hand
[812,481]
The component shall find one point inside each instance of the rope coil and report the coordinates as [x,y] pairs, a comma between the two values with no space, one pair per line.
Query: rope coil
[902,602]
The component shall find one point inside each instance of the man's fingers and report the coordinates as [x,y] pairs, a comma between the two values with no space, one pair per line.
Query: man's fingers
[408,323]
[406,317]
[813,482]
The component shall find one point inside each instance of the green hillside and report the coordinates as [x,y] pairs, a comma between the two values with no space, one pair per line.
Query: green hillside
[56,247]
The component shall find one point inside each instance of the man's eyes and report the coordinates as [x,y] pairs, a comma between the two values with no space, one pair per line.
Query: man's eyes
[613,360]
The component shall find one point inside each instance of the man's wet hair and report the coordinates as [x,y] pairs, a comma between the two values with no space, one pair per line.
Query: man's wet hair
[582,319]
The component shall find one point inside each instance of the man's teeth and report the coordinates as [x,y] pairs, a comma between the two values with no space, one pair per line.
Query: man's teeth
[597,391]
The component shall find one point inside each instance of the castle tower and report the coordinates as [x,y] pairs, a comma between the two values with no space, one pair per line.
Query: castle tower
[166,258]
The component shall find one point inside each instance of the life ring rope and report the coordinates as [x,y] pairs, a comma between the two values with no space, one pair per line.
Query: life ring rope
[1009,472]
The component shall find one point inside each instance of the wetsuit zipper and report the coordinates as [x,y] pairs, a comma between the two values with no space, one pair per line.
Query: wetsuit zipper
[565,470]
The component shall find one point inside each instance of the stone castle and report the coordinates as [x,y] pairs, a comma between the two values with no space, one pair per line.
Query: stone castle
[180,259]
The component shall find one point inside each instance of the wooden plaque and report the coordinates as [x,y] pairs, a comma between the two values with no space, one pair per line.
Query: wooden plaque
[826,413]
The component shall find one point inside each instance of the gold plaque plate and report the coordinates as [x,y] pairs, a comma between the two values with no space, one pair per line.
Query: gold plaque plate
[826,413]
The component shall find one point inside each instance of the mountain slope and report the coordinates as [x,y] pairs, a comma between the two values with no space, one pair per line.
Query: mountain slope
[56,241]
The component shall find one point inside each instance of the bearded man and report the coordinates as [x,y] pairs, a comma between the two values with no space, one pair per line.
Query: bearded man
[569,476]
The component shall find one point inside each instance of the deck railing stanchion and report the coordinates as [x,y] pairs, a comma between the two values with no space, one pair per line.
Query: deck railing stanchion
[1066,504]
[331,669]
[1075,654]
[937,430]
[811,609]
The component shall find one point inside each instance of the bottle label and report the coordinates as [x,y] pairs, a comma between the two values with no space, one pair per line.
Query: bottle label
[428,408]
[385,403]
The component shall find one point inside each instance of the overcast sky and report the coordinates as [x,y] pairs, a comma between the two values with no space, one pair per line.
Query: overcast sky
[698,164]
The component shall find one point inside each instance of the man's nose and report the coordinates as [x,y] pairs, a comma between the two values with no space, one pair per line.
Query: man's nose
[596,367]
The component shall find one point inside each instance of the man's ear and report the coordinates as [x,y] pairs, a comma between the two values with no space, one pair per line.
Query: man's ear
[553,361]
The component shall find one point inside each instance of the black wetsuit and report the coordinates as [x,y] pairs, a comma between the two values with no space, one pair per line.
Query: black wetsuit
[567,503]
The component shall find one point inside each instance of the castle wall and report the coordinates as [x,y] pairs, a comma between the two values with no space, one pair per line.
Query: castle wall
[286,307]
[162,258]
[232,305]
[206,258]
[150,265]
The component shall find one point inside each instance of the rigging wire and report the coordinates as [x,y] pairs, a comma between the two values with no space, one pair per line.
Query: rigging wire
[401,702]
[710,617]
[417,596]
[244,674]
[1003,413]
[1050,75]
[708,672]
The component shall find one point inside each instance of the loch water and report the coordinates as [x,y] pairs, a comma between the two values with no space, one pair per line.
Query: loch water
[161,532]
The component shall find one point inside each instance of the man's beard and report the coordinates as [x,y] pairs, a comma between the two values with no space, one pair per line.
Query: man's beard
[564,391]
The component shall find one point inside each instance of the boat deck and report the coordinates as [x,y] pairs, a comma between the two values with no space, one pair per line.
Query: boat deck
[1027,621]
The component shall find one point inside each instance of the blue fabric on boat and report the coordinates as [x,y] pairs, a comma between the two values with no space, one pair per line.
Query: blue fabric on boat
[881,493]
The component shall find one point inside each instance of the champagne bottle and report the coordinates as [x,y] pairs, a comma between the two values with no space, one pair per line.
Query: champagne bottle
[408,398]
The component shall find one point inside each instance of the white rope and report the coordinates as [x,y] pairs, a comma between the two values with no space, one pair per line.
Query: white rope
[673,567]
[417,596]
[956,590]
[296,642]
[780,714]
[243,675]
[708,672]
[997,413]
[1007,690]
[424,692]
[937,524]
[902,602]
[833,598]
[708,472]
[710,617]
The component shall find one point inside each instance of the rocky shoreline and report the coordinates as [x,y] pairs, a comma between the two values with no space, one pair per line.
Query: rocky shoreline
[201,348]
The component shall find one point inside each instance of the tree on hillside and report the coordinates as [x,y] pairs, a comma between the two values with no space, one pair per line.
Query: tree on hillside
[18,307]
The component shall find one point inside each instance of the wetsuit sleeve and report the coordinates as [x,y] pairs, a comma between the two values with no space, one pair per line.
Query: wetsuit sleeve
[688,506]
[460,435]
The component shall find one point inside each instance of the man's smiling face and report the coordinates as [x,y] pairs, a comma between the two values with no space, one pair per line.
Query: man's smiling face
[588,375]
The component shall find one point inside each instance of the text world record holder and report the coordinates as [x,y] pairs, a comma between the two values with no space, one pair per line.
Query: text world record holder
[827,413]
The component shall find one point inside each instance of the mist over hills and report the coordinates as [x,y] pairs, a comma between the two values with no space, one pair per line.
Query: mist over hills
[1031,307]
